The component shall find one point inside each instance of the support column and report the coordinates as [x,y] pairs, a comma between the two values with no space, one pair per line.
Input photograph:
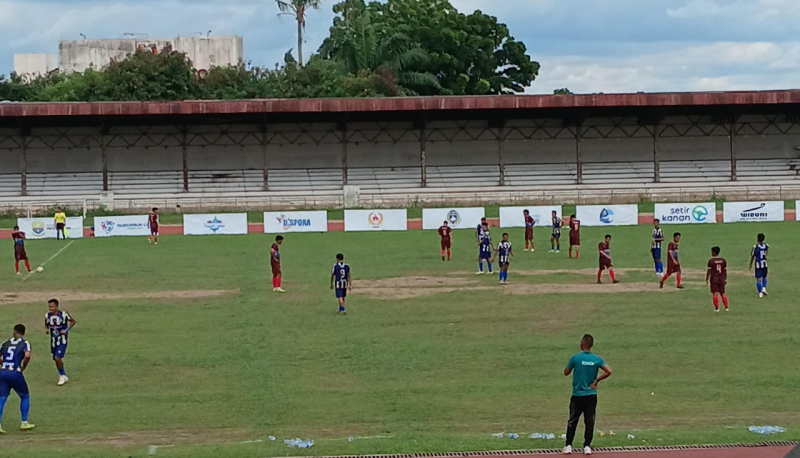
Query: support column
[265,157]
[104,151]
[501,150]
[656,159]
[185,157]
[578,158]
[733,149]
[343,132]
[24,165]
[422,165]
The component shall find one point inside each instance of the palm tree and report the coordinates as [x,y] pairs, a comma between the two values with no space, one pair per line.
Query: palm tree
[298,9]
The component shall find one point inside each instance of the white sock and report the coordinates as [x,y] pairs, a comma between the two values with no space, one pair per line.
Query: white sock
[24,423]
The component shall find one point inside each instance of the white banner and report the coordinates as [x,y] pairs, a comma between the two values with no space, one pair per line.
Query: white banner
[115,226]
[735,212]
[277,222]
[608,215]
[215,224]
[376,220]
[686,213]
[45,228]
[457,218]
[513,217]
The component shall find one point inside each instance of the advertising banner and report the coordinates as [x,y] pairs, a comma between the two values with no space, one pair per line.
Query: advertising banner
[686,213]
[45,228]
[608,215]
[457,218]
[277,222]
[736,212]
[375,220]
[215,224]
[513,217]
[115,226]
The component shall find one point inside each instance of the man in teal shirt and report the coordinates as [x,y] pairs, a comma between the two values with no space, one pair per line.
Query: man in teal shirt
[584,368]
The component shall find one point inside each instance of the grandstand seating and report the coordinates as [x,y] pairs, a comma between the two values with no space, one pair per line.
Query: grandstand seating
[540,174]
[766,169]
[65,184]
[145,182]
[227,181]
[618,172]
[305,180]
[10,184]
[695,171]
[375,179]
[463,176]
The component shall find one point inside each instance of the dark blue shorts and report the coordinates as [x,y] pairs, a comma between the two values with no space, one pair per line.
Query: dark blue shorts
[556,235]
[59,351]
[656,254]
[341,293]
[485,254]
[503,264]
[762,273]
[12,380]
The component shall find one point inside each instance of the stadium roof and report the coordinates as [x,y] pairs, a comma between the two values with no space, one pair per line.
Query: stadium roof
[318,110]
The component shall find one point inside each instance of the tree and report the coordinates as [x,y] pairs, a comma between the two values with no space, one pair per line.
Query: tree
[562,91]
[364,50]
[468,54]
[298,9]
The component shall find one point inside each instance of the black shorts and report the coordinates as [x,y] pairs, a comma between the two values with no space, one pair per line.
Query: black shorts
[59,226]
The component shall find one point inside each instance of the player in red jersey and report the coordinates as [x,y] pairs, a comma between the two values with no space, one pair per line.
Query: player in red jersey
[275,261]
[445,233]
[605,260]
[718,274]
[19,249]
[574,236]
[529,223]
[673,263]
[153,222]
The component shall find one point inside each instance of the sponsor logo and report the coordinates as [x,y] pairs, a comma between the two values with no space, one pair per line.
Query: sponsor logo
[289,223]
[215,224]
[700,213]
[38,228]
[453,218]
[755,213]
[107,226]
[587,363]
[376,219]
[606,216]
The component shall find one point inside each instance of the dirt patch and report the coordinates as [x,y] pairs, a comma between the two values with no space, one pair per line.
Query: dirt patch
[80,296]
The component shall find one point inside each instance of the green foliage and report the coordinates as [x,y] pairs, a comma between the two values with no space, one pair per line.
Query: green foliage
[563,91]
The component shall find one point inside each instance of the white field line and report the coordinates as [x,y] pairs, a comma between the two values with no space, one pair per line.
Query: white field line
[50,259]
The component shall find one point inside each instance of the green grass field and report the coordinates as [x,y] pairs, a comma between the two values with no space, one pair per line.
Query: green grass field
[436,367]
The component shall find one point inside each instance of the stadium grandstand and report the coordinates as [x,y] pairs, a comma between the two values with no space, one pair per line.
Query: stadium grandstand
[399,152]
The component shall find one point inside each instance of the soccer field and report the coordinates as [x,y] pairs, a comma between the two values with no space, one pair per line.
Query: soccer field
[185,345]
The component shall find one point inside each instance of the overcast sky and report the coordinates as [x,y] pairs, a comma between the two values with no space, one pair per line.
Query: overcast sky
[585,45]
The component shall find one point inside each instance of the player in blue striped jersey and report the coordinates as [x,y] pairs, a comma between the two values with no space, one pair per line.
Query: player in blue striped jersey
[555,236]
[655,247]
[759,257]
[484,249]
[341,282]
[504,253]
[15,354]
[58,324]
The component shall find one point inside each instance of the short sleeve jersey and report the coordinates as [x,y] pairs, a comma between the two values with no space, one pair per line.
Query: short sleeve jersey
[584,367]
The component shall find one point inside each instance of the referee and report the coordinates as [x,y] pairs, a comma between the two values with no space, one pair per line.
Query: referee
[60,219]
[584,367]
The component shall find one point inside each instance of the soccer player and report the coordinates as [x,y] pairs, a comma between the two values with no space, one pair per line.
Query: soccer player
[555,237]
[718,274]
[19,250]
[759,256]
[584,367]
[504,253]
[574,236]
[604,248]
[673,263]
[275,262]
[58,324]
[341,282]
[15,354]
[655,247]
[479,231]
[445,232]
[529,223]
[60,218]
[484,250]
[153,221]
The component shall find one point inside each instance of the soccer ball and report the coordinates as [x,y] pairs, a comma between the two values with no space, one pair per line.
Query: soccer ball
[40,269]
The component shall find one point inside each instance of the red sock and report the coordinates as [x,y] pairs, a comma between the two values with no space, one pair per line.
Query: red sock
[678,278]
[664,278]
[599,275]
[613,277]
[715,299]
[725,300]
[443,253]
[448,253]
[570,252]
[27,264]
[16,266]
[278,280]
[274,281]
[577,254]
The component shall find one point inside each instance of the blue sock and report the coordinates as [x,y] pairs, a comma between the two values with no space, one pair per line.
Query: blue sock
[480,266]
[490,266]
[25,406]
[501,275]
[62,372]
[505,275]
[2,405]
[764,282]
[758,284]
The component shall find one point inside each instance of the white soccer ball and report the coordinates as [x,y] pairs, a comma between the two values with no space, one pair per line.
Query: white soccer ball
[40,269]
